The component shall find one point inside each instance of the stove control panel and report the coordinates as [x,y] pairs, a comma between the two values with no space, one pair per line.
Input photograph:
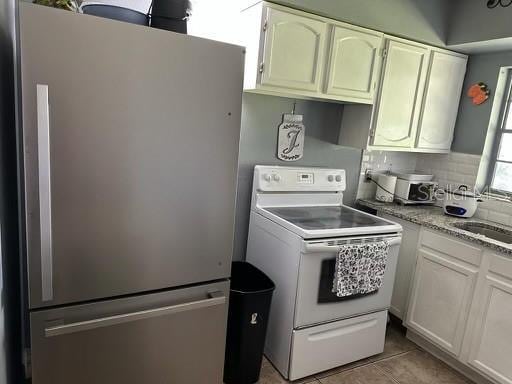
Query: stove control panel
[296,179]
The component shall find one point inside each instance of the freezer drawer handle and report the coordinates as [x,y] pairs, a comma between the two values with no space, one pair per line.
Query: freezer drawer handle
[45,201]
[215,299]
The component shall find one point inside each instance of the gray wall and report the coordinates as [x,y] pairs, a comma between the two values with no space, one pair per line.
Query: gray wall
[472,121]
[421,20]
[472,21]
[261,115]
[10,364]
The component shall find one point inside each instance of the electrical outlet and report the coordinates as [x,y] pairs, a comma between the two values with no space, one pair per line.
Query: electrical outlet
[368,175]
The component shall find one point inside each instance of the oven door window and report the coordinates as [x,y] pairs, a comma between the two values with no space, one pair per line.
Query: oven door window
[325,288]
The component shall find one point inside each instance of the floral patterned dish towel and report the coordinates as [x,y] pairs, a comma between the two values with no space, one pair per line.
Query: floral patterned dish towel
[360,268]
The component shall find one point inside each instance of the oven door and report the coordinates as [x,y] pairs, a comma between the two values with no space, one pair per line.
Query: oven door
[316,303]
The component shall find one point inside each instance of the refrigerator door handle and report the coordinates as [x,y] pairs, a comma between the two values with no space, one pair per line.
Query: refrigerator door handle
[214,299]
[45,204]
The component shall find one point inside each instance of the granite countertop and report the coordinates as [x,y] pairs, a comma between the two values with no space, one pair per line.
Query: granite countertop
[433,217]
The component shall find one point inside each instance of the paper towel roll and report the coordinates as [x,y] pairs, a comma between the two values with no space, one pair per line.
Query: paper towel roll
[385,188]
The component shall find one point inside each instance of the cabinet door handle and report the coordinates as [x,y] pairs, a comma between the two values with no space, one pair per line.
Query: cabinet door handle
[45,201]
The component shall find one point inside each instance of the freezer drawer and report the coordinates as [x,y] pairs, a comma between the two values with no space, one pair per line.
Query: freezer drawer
[164,338]
[327,346]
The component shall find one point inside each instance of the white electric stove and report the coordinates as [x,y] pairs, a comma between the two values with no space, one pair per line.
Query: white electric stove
[298,222]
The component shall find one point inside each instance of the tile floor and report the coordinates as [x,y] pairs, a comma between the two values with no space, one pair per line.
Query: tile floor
[402,362]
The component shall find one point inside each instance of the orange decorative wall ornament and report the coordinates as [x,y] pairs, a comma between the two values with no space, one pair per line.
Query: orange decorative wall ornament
[479,93]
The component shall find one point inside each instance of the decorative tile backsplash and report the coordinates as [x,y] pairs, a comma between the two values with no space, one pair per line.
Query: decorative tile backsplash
[380,162]
[449,170]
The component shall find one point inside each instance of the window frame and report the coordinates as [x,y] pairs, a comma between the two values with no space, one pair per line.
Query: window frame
[505,110]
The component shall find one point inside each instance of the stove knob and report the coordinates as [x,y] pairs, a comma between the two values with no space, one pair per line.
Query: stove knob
[338,178]
[276,177]
[330,178]
[267,177]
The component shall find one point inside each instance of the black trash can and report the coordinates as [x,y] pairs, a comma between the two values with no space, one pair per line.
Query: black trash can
[249,308]
[171,15]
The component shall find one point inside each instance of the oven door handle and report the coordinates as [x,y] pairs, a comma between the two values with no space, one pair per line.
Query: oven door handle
[321,247]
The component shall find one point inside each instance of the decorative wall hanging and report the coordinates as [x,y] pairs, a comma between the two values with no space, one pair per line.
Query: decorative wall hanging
[290,143]
[494,3]
[479,93]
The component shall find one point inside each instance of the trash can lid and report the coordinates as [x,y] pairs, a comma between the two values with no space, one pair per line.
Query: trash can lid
[246,278]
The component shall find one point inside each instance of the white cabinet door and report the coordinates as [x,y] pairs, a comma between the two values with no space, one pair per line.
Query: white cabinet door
[294,51]
[405,266]
[440,300]
[354,63]
[401,94]
[491,347]
[442,97]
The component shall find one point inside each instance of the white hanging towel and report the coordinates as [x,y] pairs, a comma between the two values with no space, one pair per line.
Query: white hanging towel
[360,268]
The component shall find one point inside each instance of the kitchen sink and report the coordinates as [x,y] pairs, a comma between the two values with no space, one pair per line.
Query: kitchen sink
[495,233]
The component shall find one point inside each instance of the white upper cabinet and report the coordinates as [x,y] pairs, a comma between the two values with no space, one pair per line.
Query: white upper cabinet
[294,50]
[354,63]
[442,97]
[411,90]
[296,54]
[398,109]
[419,97]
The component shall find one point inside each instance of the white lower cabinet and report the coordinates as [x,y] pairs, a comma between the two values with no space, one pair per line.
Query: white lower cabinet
[461,302]
[491,344]
[441,297]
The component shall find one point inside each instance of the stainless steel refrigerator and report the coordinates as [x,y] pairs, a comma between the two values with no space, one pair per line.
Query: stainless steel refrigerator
[130,139]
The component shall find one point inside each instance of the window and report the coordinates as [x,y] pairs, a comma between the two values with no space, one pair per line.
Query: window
[501,175]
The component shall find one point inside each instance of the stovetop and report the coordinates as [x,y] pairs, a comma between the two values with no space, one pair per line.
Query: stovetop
[324,218]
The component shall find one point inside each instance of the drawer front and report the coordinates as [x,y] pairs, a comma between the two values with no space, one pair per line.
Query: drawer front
[501,265]
[450,246]
[169,337]
[324,347]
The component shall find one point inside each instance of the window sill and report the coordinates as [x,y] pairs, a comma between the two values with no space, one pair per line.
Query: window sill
[497,197]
